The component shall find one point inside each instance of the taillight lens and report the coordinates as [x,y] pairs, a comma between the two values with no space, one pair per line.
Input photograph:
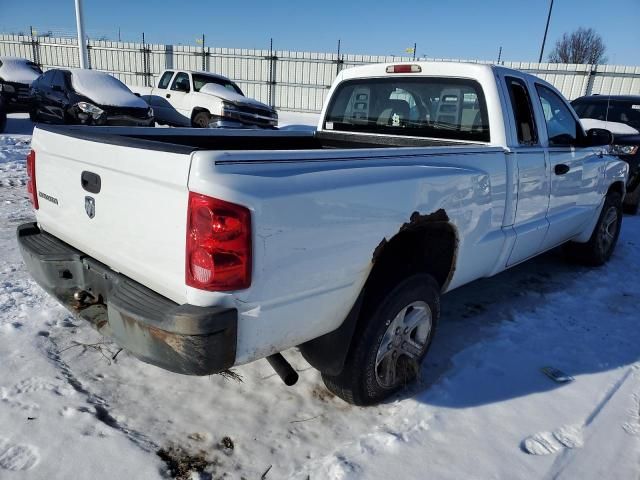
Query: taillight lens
[31,179]
[218,253]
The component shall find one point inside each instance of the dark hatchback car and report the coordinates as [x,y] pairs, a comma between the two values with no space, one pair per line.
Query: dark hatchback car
[87,97]
[619,114]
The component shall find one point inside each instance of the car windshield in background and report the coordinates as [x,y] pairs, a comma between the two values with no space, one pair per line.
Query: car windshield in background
[619,111]
[200,81]
[424,107]
[34,67]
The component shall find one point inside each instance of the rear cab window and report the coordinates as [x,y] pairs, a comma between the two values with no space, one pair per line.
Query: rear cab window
[434,107]
[163,83]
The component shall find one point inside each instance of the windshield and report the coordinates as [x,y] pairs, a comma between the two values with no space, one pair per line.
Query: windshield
[200,81]
[433,107]
[619,111]
[34,67]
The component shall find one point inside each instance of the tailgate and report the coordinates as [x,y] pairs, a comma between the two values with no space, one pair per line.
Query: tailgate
[135,223]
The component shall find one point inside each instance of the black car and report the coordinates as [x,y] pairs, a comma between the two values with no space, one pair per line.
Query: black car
[87,97]
[621,115]
[3,114]
[16,75]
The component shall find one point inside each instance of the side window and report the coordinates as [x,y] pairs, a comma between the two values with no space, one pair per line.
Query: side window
[562,128]
[522,111]
[165,79]
[46,78]
[181,83]
[58,80]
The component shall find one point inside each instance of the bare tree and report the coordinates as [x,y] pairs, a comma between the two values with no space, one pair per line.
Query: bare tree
[581,46]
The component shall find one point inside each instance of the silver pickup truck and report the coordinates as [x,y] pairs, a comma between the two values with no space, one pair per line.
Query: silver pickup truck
[198,250]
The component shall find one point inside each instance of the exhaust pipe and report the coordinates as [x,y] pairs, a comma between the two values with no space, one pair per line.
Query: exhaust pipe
[283,368]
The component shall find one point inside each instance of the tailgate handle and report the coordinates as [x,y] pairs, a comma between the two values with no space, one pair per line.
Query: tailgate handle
[90,182]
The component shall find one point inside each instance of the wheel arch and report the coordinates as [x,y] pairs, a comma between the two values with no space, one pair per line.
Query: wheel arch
[425,244]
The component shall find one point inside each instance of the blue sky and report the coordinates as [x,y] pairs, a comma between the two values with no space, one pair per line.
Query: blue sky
[450,29]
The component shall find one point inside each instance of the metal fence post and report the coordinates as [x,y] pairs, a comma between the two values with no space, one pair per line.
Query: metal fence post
[146,64]
[89,48]
[273,59]
[35,48]
[593,71]
[204,56]
[339,60]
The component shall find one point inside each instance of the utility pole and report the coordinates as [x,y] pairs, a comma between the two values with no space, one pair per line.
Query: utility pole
[546,29]
[499,54]
[82,43]
[415,45]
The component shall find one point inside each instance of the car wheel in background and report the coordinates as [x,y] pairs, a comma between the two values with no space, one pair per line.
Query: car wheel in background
[602,243]
[201,120]
[3,116]
[390,342]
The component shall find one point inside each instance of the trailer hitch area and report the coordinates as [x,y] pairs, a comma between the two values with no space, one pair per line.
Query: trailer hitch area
[84,299]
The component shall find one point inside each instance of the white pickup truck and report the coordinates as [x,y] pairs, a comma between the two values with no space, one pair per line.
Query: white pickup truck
[203,99]
[198,250]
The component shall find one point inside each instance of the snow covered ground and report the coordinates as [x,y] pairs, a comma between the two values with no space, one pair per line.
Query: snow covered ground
[482,410]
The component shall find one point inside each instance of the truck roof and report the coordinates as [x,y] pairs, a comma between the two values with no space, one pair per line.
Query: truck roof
[200,72]
[449,69]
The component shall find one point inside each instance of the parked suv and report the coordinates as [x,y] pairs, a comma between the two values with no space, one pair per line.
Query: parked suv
[620,114]
[87,97]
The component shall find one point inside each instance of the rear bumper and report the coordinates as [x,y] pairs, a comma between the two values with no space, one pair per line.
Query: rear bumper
[181,338]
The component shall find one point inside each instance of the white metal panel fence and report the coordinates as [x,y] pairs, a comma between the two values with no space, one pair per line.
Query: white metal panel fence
[287,80]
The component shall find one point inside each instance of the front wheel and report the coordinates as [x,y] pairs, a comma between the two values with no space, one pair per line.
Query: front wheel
[600,246]
[390,342]
[201,120]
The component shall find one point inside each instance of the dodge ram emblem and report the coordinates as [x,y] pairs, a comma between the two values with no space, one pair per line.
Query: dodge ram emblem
[90,206]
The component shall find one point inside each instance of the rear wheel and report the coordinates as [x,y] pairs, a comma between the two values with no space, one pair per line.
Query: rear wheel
[201,120]
[602,243]
[390,343]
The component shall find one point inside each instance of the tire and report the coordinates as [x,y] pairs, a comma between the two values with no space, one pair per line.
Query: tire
[386,340]
[201,120]
[600,247]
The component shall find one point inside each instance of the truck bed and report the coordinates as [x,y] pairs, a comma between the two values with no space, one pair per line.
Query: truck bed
[187,140]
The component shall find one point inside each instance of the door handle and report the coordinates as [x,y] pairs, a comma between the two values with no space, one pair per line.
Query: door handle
[561,169]
[168,95]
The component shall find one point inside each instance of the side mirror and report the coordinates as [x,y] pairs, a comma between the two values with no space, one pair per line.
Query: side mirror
[137,94]
[597,137]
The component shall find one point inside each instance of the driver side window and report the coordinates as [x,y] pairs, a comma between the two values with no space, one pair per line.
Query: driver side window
[562,128]
[181,83]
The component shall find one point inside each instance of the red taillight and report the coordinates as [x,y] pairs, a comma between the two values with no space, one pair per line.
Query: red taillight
[218,253]
[413,68]
[31,179]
